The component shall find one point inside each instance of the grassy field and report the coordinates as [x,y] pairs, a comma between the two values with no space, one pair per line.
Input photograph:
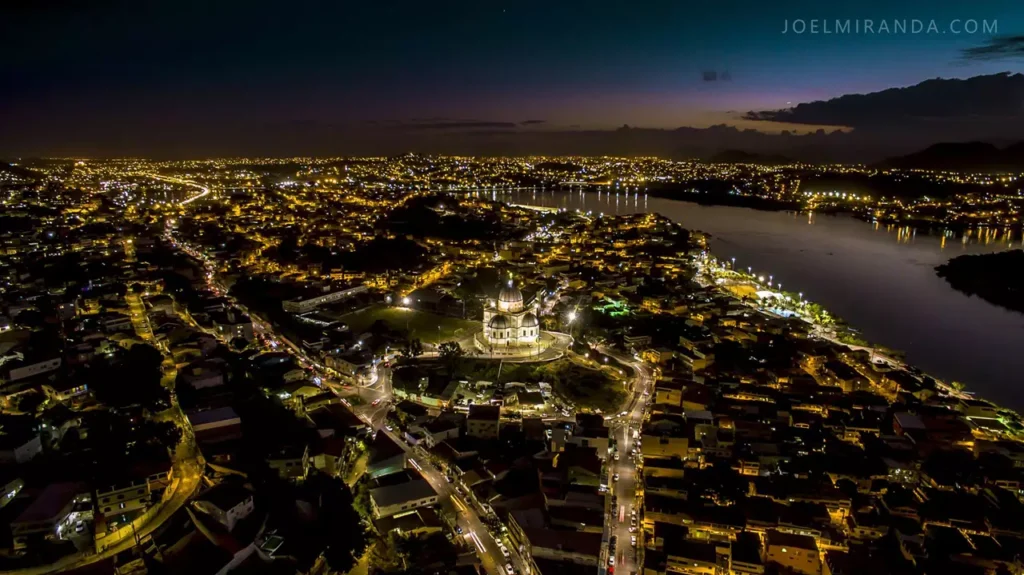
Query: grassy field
[421,324]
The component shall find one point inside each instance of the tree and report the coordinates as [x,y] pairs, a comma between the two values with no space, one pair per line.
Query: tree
[188,396]
[413,349]
[451,352]
[239,343]
[134,379]
[423,554]
[165,433]
[338,524]
[30,402]
[379,328]
[137,288]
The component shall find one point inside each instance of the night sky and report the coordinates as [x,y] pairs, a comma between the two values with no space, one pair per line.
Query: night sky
[231,77]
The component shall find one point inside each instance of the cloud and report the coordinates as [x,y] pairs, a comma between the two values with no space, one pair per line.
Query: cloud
[462,125]
[532,122]
[998,48]
[981,97]
[716,76]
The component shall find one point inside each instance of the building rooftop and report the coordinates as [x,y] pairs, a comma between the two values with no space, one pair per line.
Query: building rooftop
[48,504]
[781,539]
[409,491]
[484,413]
[225,495]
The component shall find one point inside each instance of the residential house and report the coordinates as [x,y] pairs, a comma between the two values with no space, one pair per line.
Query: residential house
[49,514]
[389,500]
[226,503]
[798,553]
[289,461]
[483,421]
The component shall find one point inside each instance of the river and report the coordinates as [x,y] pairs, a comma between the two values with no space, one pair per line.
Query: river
[880,279]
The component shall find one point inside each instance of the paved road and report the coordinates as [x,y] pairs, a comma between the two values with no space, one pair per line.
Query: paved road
[378,389]
[185,202]
[626,560]
[474,530]
[559,344]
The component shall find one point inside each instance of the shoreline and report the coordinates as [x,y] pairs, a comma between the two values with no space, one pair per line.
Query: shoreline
[841,327]
[863,214]
[848,333]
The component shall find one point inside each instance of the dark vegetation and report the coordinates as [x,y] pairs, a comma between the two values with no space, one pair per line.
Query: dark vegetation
[585,387]
[441,217]
[375,256]
[996,278]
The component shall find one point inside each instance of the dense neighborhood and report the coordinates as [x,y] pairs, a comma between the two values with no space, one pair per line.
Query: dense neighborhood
[200,374]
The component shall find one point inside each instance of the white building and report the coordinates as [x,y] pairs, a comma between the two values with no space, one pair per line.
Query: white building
[401,498]
[509,322]
[304,304]
[227,504]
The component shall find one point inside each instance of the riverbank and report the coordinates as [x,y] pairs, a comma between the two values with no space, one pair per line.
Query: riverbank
[880,279]
[726,198]
[824,325]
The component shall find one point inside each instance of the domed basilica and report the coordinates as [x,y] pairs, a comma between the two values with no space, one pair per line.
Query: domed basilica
[509,323]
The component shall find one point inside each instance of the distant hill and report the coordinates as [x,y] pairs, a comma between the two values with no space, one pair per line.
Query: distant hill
[965,156]
[742,157]
[19,171]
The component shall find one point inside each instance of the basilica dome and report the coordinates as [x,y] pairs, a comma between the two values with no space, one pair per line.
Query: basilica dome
[510,299]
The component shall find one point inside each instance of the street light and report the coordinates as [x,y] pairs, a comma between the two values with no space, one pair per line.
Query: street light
[406,300]
[572,316]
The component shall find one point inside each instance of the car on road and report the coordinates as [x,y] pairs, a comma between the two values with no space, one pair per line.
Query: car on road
[615,477]
[632,540]
[377,401]
[509,568]
[458,529]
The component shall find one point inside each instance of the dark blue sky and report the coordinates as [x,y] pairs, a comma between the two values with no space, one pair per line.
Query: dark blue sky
[115,70]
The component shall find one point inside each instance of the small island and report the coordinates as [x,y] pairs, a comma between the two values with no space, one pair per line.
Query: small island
[996,278]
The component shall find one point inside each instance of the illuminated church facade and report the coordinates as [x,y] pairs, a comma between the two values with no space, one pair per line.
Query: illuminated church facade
[509,322]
